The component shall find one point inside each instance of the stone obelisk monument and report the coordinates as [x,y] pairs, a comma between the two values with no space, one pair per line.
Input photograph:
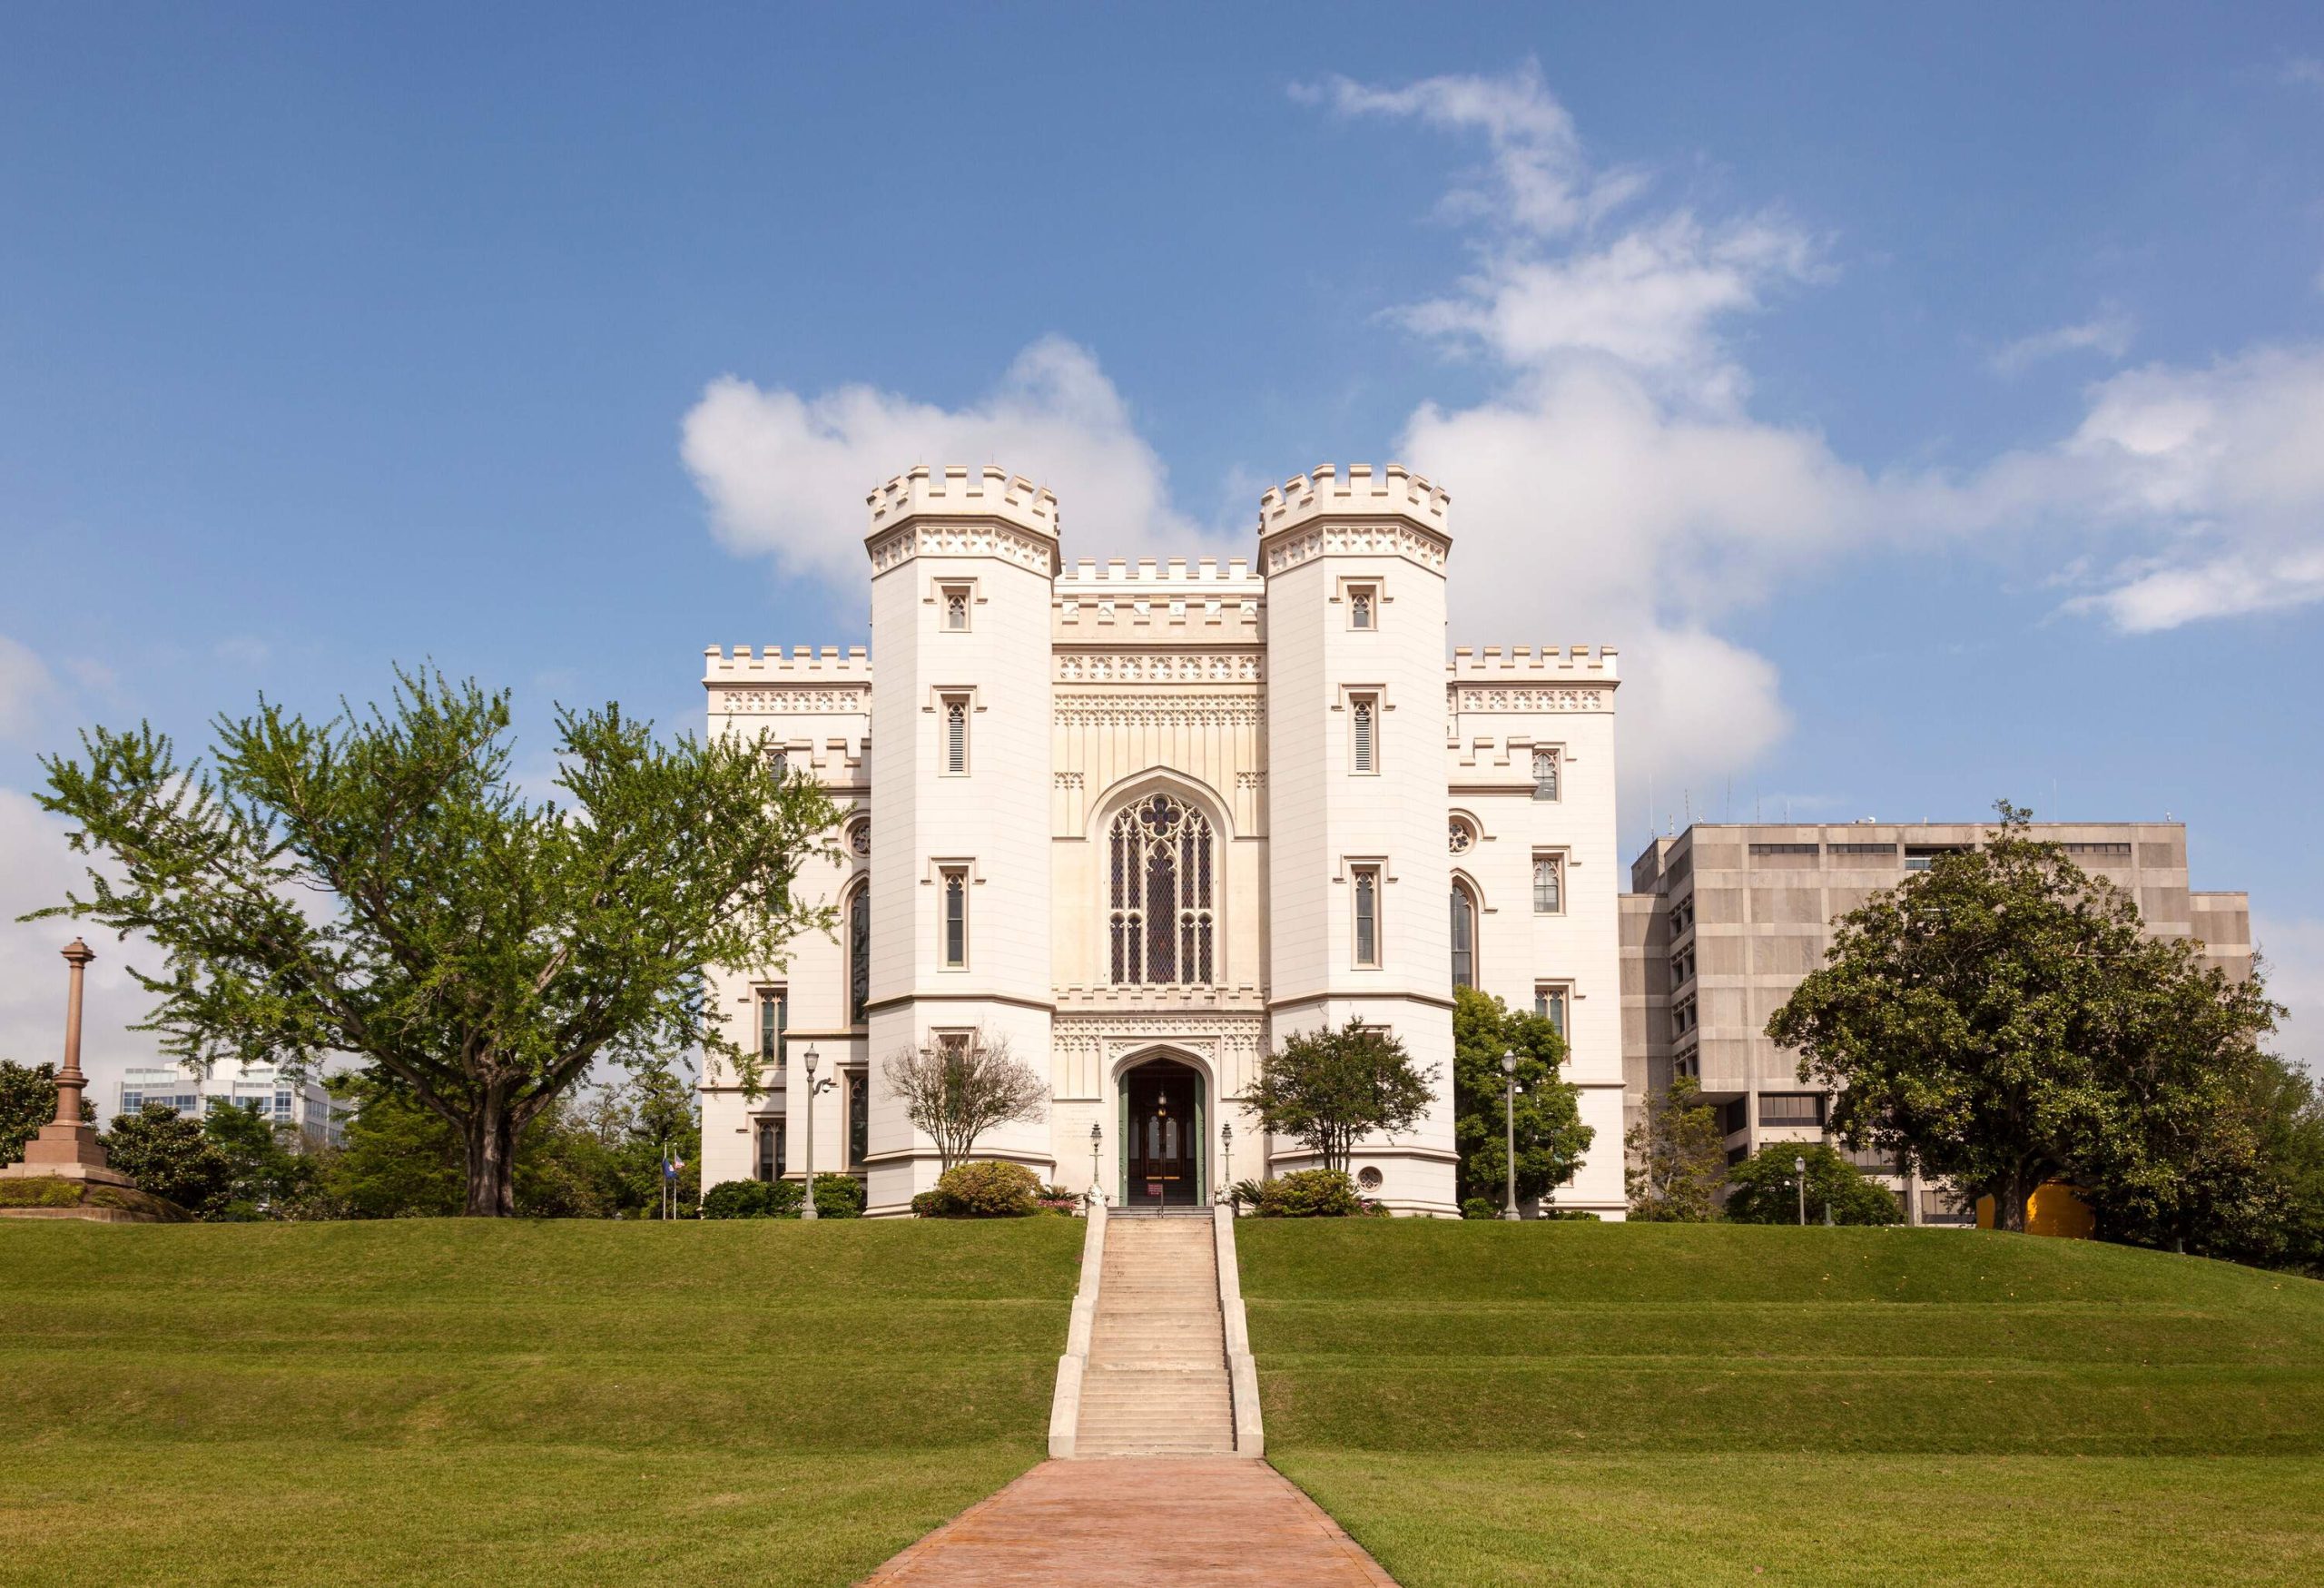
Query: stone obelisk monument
[67,1147]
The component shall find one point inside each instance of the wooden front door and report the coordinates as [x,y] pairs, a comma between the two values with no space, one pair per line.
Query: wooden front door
[1164,1166]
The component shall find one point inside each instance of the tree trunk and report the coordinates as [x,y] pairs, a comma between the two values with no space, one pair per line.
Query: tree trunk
[491,1133]
[2010,1199]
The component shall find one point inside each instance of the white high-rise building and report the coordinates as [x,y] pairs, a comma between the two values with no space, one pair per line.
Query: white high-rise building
[261,1088]
[1144,820]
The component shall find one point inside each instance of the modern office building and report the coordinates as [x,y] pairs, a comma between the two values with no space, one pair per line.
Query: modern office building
[1145,820]
[1723,921]
[259,1088]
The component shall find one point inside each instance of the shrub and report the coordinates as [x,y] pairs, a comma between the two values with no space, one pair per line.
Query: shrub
[981,1190]
[839,1196]
[1765,1189]
[1310,1193]
[753,1199]
[1244,1194]
[1479,1207]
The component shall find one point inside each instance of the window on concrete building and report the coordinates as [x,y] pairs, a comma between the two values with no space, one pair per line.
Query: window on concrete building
[1366,880]
[1790,1108]
[1939,1207]
[774,1019]
[956,735]
[954,890]
[956,608]
[770,1149]
[1545,775]
[1362,609]
[1549,884]
[1363,734]
[1161,918]
[1464,937]
[1920,857]
[1548,1003]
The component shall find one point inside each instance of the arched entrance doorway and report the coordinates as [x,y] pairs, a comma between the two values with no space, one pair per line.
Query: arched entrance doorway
[1163,1161]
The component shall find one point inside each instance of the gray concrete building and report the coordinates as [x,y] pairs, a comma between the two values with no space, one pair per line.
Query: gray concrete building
[1724,920]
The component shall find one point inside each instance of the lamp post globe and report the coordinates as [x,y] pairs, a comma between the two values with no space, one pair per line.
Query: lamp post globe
[1509,1079]
[807,1208]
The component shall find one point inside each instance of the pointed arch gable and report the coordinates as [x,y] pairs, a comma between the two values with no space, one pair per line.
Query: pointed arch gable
[1161,841]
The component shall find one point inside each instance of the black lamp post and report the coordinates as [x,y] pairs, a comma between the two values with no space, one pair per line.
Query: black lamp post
[1508,1075]
[1799,1168]
[1226,1157]
[809,1059]
[1096,1189]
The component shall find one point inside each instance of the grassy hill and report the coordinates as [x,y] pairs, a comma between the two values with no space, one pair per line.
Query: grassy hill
[466,1402]
[1578,1403]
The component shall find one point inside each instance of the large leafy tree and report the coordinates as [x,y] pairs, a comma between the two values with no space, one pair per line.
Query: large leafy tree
[1551,1137]
[1677,1158]
[27,1102]
[2002,1018]
[172,1157]
[1327,1089]
[374,884]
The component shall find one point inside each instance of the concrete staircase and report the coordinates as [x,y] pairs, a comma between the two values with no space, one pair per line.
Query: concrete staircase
[1156,1381]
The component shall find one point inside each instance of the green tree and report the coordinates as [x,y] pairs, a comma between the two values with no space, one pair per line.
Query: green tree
[27,1102]
[265,1179]
[1763,1189]
[1550,1136]
[2002,1018]
[1677,1158]
[374,884]
[1328,1090]
[172,1157]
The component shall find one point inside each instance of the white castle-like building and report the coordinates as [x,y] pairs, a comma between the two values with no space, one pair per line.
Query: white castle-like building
[1145,821]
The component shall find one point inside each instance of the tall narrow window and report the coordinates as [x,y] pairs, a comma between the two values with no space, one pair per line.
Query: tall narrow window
[770,1149]
[956,735]
[1362,609]
[1367,915]
[774,1018]
[956,608]
[858,1117]
[858,955]
[1549,885]
[956,917]
[1545,775]
[1465,938]
[1161,920]
[1548,1003]
[1364,729]
[781,761]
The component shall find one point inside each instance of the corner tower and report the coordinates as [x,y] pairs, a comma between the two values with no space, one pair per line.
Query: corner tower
[962,564]
[1358,875]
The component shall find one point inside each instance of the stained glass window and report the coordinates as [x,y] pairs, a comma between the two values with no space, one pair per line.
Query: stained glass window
[1161,918]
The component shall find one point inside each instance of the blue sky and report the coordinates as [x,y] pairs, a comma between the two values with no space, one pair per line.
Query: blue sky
[1930,405]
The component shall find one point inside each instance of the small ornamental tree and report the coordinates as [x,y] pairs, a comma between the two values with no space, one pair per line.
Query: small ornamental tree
[1551,1137]
[957,1090]
[172,1157]
[1764,1190]
[1677,1158]
[1328,1090]
[2002,1017]
[375,885]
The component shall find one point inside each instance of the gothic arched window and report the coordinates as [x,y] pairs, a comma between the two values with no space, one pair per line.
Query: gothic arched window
[1464,937]
[858,955]
[1161,917]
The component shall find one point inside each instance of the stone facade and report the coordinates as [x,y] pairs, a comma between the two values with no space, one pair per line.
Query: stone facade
[1723,921]
[1154,817]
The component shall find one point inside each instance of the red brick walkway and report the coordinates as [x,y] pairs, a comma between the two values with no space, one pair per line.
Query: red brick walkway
[1092,1523]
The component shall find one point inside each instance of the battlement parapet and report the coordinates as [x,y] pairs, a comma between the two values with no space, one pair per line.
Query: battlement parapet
[824,662]
[956,491]
[1207,573]
[1324,492]
[1507,663]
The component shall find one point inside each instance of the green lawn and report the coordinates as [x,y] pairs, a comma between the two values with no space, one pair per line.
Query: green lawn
[567,1402]
[1483,1403]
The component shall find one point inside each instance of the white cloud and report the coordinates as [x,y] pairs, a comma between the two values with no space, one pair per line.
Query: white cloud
[2109,332]
[40,869]
[787,474]
[25,687]
[2293,948]
[243,650]
[2302,71]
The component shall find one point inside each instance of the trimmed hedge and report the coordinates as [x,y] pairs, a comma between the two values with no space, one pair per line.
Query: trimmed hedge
[981,1190]
[1310,1193]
